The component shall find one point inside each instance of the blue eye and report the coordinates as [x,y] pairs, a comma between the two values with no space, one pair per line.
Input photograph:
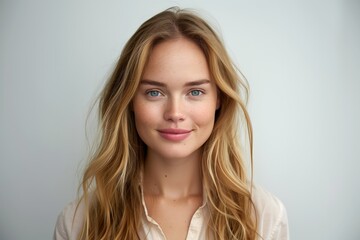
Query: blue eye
[153,93]
[195,93]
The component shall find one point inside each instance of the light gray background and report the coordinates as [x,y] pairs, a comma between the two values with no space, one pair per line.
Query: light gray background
[300,57]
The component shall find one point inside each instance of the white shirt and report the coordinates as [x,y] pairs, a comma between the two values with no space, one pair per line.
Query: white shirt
[271,214]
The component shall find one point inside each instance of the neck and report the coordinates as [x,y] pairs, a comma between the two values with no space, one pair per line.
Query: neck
[172,178]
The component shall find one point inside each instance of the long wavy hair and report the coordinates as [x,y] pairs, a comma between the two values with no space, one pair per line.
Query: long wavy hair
[110,188]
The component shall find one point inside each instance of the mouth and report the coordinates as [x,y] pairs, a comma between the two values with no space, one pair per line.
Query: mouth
[174,134]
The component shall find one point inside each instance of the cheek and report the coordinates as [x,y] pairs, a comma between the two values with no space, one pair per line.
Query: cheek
[140,117]
[145,118]
[204,117]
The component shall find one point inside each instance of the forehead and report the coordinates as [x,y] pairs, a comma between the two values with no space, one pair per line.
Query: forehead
[176,59]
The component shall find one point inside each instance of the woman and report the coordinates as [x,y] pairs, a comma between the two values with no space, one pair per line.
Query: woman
[169,163]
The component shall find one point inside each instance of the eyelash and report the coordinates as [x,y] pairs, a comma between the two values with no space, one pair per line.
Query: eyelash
[148,93]
[196,90]
[191,93]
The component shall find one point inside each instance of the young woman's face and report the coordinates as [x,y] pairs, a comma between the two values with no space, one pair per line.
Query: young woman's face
[175,103]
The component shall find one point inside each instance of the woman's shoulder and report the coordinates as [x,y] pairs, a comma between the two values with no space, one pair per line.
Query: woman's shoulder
[69,221]
[271,215]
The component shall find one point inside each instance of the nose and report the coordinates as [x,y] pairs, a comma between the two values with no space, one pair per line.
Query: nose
[174,111]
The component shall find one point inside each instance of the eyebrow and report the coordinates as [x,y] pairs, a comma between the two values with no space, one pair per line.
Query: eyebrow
[160,84]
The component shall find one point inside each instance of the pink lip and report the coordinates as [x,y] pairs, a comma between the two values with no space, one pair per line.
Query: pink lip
[174,134]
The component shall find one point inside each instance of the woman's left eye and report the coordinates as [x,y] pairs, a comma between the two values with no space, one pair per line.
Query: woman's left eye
[196,92]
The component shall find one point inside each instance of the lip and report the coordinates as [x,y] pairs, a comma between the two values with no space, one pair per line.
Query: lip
[174,134]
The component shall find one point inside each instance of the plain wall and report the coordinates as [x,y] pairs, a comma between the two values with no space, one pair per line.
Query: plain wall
[301,59]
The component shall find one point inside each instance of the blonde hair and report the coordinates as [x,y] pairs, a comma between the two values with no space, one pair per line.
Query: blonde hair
[111,189]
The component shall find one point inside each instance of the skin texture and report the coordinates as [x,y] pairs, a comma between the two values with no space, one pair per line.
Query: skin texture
[174,110]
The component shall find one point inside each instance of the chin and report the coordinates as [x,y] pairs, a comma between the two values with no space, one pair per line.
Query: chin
[177,153]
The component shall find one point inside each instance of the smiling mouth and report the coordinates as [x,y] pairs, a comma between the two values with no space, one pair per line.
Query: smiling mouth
[174,134]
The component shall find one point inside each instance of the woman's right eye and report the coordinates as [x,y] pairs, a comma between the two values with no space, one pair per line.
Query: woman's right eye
[153,93]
